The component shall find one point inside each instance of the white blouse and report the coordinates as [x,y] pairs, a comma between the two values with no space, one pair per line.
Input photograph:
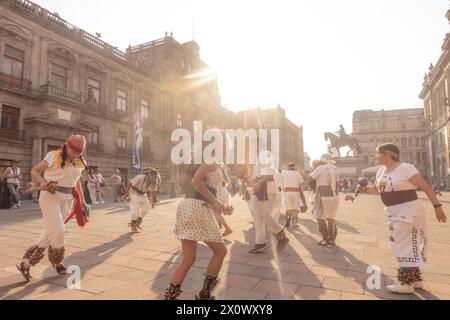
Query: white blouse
[67,176]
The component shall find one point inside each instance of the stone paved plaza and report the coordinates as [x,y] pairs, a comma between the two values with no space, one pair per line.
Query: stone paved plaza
[116,264]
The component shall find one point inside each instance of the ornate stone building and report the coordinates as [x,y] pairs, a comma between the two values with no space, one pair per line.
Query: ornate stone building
[291,135]
[57,79]
[435,96]
[404,127]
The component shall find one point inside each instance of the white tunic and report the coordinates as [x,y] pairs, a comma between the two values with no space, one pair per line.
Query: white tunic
[398,180]
[292,179]
[142,182]
[67,176]
[407,221]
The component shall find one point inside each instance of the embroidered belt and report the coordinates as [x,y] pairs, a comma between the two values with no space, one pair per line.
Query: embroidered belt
[398,197]
[290,189]
[327,191]
[65,190]
[138,191]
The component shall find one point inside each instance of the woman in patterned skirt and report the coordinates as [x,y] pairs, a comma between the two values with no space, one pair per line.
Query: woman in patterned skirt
[195,222]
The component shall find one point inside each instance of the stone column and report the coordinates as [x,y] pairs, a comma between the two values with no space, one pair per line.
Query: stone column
[43,70]
[36,155]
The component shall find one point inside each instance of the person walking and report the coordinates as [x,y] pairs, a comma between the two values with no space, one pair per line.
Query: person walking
[326,199]
[99,184]
[116,181]
[12,175]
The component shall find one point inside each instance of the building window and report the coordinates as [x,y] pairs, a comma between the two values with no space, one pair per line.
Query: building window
[93,138]
[13,60]
[58,76]
[179,120]
[121,101]
[145,110]
[403,143]
[122,141]
[182,64]
[403,125]
[93,98]
[10,120]
[147,60]
[410,143]
[418,145]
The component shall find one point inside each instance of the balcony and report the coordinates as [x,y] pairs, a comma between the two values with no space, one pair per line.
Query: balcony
[9,134]
[9,82]
[123,151]
[116,115]
[95,108]
[51,91]
[96,147]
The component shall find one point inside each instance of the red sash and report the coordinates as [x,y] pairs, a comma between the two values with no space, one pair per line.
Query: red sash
[78,210]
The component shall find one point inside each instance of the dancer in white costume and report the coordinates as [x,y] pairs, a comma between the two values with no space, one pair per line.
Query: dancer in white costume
[292,182]
[397,182]
[139,190]
[326,199]
[264,204]
[59,178]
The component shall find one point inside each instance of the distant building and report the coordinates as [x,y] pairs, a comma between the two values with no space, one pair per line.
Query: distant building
[435,96]
[403,127]
[307,162]
[291,135]
[56,79]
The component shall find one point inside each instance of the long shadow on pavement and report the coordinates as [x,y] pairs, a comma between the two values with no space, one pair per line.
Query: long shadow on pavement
[92,256]
[358,268]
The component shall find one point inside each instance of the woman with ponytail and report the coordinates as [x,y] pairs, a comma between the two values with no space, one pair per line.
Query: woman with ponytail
[59,178]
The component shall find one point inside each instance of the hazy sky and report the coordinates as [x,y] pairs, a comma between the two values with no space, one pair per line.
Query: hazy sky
[319,59]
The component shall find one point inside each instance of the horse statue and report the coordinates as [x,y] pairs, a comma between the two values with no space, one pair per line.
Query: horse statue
[336,143]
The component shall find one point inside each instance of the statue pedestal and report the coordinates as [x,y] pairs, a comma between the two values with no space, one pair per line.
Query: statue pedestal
[351,166]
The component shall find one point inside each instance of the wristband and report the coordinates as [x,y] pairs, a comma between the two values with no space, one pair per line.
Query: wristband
[437,206]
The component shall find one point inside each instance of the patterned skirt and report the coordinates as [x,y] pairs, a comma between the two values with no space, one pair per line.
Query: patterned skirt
[196,222]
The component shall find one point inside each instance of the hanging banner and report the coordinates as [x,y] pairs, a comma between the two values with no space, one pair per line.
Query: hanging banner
[137,143]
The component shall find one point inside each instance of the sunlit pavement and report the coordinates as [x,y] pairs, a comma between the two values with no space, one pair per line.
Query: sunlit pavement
[116,264]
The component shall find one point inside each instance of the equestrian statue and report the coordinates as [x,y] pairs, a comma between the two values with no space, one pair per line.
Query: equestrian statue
[342,139]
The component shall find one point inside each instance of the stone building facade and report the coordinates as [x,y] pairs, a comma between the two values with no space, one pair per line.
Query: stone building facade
[57,79]
[291,135]
[435,96]
[403,127]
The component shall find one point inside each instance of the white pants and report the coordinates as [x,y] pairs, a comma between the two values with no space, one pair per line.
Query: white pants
[55,208]
[409,241]
[139,206]
[262,212]
[92,192]
[277,199]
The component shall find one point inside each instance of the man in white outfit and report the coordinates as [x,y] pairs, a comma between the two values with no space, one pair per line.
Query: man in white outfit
[292,181]
[138,192]
[264,203]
